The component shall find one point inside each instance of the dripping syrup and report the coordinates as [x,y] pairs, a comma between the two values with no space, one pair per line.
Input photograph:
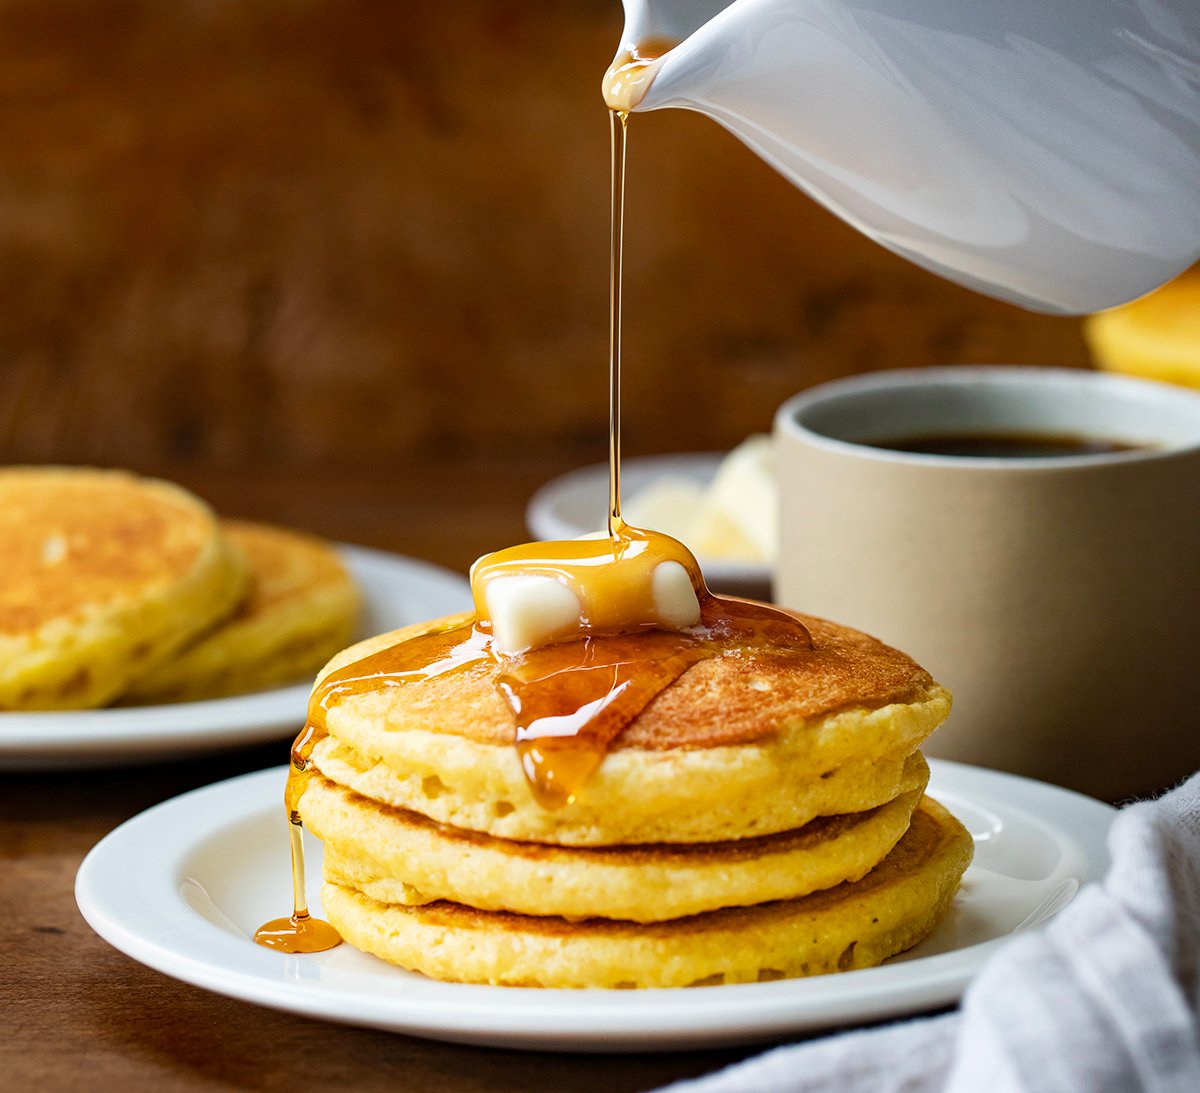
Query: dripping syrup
[299,932]
[570,699]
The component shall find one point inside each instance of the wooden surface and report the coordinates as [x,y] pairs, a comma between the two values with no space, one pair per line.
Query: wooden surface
[78,1014]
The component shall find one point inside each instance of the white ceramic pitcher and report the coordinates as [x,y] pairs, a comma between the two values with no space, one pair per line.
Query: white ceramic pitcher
[1046,152]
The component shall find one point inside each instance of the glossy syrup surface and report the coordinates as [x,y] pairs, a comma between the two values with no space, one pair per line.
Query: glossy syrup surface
[612,576]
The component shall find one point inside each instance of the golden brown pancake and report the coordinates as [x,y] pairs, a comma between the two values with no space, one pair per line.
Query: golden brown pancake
[733,748]
[853,925]
[300,609]
[102,576]
[635,797]
[845,669]
[398,856]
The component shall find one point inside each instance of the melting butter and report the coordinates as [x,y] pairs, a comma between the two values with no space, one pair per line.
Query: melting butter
[537,594]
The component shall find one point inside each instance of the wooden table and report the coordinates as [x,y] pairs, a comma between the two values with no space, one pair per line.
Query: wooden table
[75,1013]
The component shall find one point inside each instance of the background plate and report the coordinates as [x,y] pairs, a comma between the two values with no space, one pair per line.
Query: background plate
[212,865]
[396,591]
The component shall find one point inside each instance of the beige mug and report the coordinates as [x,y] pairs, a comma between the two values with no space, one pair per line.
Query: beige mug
[1058,598]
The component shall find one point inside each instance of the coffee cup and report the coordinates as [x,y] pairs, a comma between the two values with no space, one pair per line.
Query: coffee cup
[1056,593]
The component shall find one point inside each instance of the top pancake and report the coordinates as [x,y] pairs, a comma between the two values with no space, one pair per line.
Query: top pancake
[743,700]
[101,574]
[733,748]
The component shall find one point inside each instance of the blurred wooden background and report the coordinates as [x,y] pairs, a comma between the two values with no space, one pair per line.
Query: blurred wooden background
[356,253]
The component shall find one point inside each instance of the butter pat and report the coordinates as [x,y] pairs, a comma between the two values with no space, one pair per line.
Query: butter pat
[733,518]
[744,490]
[674,597]
[528,611]
[540,594]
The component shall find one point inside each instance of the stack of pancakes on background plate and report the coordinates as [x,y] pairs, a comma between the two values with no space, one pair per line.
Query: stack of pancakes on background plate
[300,605]
[120,588]
[757,820]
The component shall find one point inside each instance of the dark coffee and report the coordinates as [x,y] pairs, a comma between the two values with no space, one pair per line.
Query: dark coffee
[1005,445]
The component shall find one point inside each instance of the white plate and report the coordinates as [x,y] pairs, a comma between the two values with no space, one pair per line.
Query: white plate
[396,591]
[213,865]
[577,503]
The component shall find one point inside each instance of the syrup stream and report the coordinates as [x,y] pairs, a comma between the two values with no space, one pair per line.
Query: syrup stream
[619,122]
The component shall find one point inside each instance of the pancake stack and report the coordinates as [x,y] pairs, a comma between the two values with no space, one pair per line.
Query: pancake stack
[120,588]
[757,820]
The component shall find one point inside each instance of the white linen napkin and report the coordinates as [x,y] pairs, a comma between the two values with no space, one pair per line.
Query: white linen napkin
[1103,1000]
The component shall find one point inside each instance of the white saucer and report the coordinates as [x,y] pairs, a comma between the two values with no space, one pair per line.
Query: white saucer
[577,503]
[396,591]
[212,865]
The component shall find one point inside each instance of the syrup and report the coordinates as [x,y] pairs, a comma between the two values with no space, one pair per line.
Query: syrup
[571,699]
[619,129]
[299,932]
[633,70]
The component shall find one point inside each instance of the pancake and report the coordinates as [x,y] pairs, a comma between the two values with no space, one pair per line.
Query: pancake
[397,856]
[854,925]
[1156,337]
[845,668]
[103,575]
[733,748]
[635,797]
[301,608]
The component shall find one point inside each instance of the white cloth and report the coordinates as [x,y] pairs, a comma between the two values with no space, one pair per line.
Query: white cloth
[1105,998]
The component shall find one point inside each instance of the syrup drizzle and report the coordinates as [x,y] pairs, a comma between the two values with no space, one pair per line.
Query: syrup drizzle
[619,128]
[569,700]
[300,932]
